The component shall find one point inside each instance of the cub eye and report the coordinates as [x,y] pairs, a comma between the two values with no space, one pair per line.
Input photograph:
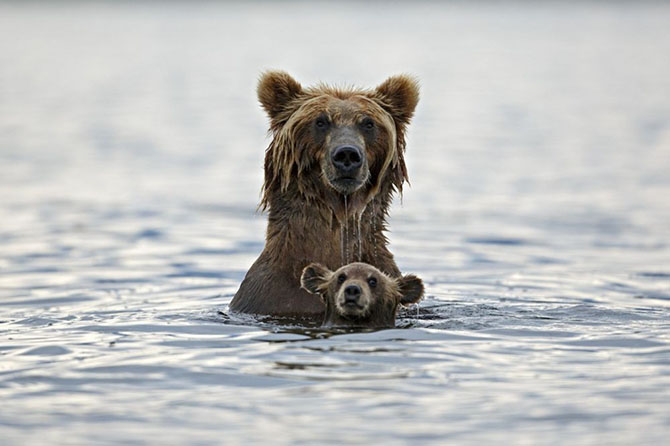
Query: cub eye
[321,123]
[368,124]
[372,282]
[341,278]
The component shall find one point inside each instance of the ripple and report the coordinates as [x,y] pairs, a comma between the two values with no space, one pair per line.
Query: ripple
[47,350]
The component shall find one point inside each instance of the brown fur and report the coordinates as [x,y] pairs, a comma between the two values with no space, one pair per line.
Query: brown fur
[378,302]
[308,217]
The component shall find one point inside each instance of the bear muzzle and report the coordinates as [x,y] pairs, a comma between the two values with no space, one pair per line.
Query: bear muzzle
[352,301]
[348,168]
[347,159]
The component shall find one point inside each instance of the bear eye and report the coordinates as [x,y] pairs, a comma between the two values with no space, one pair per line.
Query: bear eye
[368,124]
[341,278]
[372,282]
[321,123]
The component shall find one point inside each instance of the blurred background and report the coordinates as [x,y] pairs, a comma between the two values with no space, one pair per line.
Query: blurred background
[131,148]
[523,103]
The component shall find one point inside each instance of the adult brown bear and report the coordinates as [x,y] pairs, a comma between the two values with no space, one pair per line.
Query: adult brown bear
[335,160]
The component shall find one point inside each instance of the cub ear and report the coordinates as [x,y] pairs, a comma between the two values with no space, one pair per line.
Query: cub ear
[399,95]
[314,278]
[411,289]
[276,89]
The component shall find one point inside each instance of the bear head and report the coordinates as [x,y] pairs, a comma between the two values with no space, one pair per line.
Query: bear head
[329,140]
[360,295]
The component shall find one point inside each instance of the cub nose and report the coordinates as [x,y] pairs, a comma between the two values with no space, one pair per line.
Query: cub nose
[347,158]
[352,293]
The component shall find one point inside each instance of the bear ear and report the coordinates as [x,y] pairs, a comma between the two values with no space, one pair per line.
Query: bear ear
[411,289]
[314,277]
[399,95]
[276,89]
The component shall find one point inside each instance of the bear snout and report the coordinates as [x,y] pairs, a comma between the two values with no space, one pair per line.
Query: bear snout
[347,159]
[352,293]
[346,169]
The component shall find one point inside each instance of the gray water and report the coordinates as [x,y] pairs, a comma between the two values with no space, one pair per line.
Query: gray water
[131,149]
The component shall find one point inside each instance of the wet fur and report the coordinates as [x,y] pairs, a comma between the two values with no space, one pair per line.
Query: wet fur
[307,218]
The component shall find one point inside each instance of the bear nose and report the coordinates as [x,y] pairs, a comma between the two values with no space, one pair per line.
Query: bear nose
[352,293]
[347,158]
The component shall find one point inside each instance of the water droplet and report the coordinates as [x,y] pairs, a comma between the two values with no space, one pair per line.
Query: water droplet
[346,232]
[359,239]
[373,230]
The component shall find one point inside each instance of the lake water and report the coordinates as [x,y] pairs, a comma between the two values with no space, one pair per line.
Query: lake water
[131,148]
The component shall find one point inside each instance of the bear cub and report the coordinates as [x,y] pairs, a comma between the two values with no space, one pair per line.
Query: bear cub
[359,295]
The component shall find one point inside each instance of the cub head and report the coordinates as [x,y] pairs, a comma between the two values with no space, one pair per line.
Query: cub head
[335,140]
[358,294]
